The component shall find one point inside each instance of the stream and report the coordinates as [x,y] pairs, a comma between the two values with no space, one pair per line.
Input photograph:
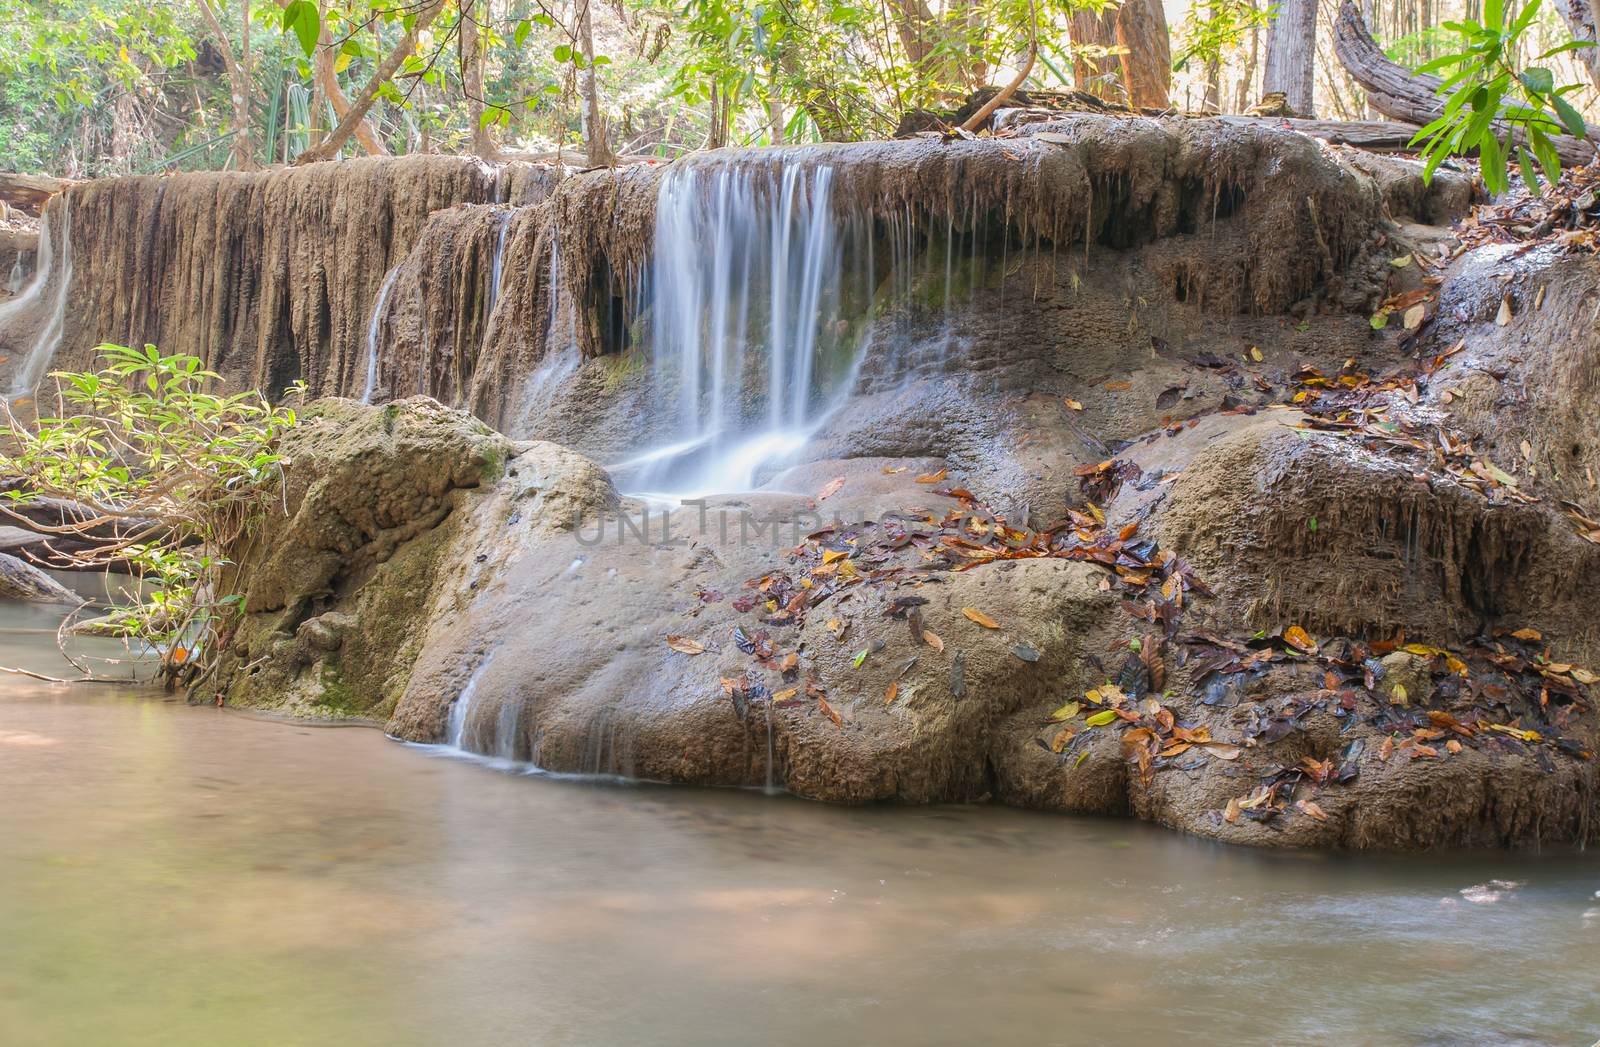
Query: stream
[187,875]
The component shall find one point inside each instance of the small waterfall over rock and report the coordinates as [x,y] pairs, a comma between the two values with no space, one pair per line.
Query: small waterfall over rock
[52,273]
[374,331]
[16,276]
[755,291]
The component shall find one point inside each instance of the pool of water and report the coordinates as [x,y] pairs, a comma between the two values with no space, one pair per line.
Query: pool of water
[181,875]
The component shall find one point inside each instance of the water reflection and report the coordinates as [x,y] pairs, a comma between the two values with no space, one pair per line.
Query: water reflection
[190,875]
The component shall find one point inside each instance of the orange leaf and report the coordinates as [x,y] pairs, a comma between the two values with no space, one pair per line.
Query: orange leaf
[828,710]
[830,488]
[933,478]
[973,614]
[889,695]
[1310,809]
[1297,637]
[931,638]
[685,644]
[1528,634]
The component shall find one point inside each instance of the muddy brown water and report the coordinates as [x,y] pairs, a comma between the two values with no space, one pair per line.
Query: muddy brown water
[178,875]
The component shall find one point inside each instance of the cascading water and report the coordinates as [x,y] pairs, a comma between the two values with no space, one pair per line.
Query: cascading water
[36,361]
[751,281]
[374,329]
[16,276]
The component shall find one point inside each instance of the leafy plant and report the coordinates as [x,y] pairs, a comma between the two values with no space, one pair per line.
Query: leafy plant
[1491,106]
[164,477]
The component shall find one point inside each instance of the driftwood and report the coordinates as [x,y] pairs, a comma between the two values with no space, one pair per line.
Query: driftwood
[21,581]
[1378,136]
[1398,93]
[27,193]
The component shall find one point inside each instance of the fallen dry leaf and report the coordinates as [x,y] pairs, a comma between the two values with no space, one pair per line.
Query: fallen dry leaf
[891,692]
[931,638]
[1503,317]
[933,478]
[828,711]
[1075,405]
[1298,638]
[830,488]
[973,614]
[1528,634]
[685,644]
[1310,809]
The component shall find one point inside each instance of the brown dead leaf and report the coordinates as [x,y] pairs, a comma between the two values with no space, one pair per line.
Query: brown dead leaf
[685,644]
[1529,634]
[931,638]
[1503,317]
[1310,809]
[830,488]
[828,711]
[891,692]
[975,615]
[933,478]
[1231,815]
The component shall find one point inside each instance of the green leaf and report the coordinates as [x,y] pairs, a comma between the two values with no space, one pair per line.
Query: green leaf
[1540,81]
[1569,116]
[1529,177]
[304,20]
[520,35]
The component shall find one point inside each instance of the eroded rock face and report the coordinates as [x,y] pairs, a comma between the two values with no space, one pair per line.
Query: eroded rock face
[1159,364]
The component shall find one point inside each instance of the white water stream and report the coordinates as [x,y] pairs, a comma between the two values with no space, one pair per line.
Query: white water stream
[53,273]
[374,329]
[745,289]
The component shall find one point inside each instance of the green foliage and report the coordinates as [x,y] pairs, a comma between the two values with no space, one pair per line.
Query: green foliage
[1504,113]
[1212,29]
[177,473]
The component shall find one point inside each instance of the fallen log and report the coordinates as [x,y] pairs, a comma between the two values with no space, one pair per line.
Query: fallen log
[27,193]
[1378,136]
[1400,94]
[21,581]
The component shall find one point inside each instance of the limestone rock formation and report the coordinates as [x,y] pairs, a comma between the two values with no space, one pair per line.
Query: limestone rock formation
[1151,443]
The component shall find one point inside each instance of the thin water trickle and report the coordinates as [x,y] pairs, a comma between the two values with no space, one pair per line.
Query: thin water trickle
[461,712]
[36,360]
[374,329]
[16,276]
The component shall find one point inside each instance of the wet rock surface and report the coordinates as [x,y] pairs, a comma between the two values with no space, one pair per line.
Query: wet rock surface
[1201,490]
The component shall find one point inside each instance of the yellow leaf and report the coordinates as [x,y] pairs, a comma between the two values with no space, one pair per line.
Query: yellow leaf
[1297,637]
[1075,405]
[685,644]
[973,614]
[1066,712]
[892,470]
[1255,354]
[1528,634]
[1398,695]
[1584,676]
[785,695]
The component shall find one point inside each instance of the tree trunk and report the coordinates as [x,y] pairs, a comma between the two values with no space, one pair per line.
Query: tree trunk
[1401,95]
[329,148]
[978,119]
[325,81]
[1579,16]
[1098,75]
[1147,53]
[470,45]
[244,152]
[1292,55]
[595,136]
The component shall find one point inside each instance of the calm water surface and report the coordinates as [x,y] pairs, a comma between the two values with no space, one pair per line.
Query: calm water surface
[177,875]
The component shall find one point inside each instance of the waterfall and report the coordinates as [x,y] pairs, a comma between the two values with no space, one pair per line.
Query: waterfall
[747,299]
[496,268]
[36,360]
[374,327]
[14,280]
